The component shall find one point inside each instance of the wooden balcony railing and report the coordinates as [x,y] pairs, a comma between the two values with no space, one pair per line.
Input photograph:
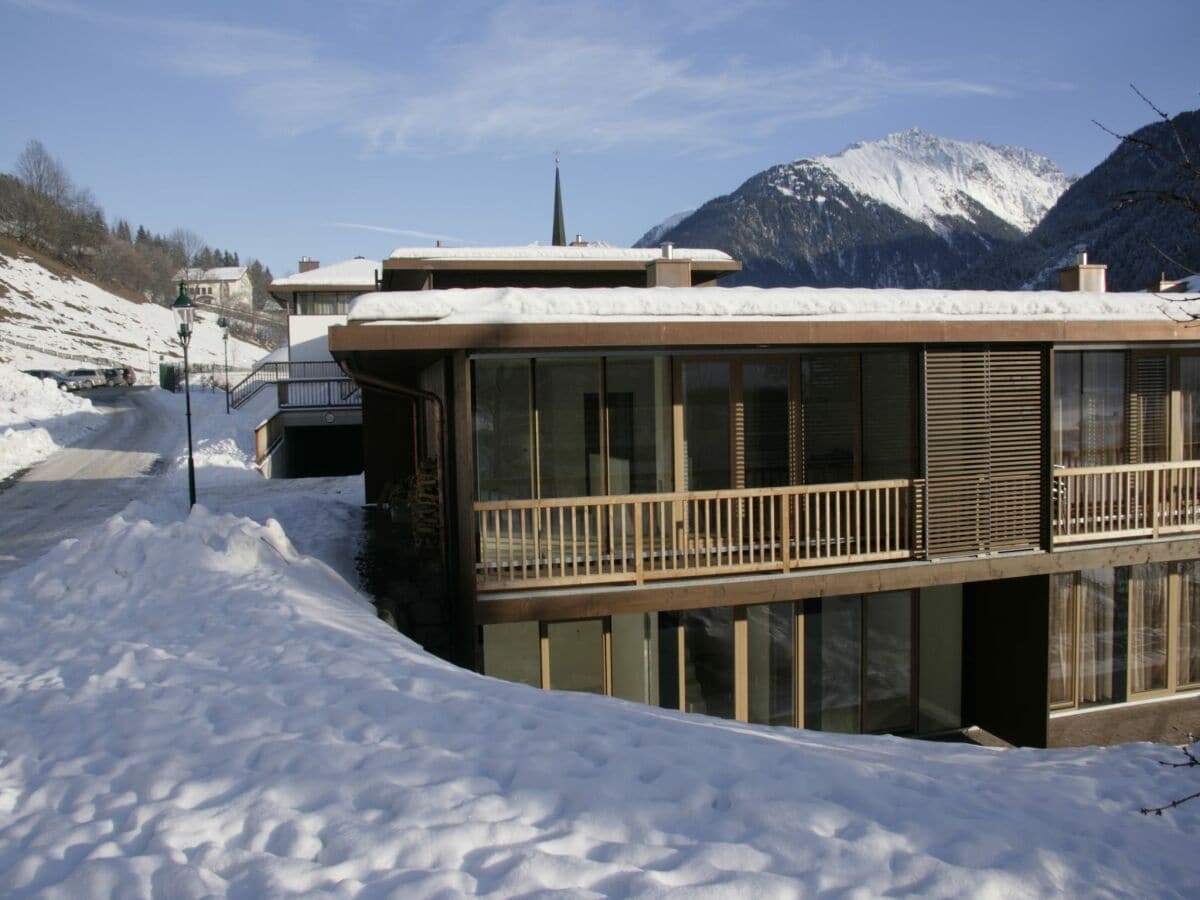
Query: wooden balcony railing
[1099,503]
[639,537]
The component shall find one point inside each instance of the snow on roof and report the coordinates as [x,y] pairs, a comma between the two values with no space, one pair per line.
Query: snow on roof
[221,273]
[347,273]
[539,252]
[534,305]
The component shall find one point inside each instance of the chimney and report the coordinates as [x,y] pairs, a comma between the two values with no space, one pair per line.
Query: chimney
[579,241]
[1083,276]
[438,243]
[307,264]
[667,271]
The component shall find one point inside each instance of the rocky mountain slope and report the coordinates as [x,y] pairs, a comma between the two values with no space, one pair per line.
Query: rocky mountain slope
[911,210]
[1128,240]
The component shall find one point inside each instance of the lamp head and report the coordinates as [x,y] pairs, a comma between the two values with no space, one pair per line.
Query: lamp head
[185,312]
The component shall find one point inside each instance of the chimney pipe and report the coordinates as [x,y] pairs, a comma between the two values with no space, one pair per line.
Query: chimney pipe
[668,250]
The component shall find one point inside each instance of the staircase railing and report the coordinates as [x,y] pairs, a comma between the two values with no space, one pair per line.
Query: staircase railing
[275,372]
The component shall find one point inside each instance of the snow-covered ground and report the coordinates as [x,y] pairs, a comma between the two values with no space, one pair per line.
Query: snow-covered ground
[36,418]
[191,706]
[52,322]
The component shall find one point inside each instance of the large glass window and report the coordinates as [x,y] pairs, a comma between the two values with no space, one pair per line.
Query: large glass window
[1089,408]
[767,424]
[1148,628]
[706,436]
[888,391]
[635,657]
[859,663]
[708,661]
[638,395]
[833,664]
[576,655]
[771,657]
[1062,640]
[567,403]
[831,417]
[1189,398]
[1188,658]
[503,430]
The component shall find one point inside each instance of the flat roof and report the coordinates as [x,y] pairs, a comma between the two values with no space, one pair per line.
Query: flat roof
[540,253]
[713,316]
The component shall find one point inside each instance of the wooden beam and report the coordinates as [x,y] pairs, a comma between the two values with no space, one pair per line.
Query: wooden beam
[554,604]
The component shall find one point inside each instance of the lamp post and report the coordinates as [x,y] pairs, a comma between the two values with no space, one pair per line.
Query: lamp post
[185,315]
[223,324]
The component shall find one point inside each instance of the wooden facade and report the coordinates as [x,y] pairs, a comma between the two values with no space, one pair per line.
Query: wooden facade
[990,508]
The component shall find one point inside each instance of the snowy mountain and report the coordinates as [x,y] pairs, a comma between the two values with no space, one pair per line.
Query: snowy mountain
[910,210]
[56,321]
[1138,242]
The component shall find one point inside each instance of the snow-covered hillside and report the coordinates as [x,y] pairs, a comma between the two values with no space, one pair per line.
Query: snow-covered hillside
[927,178]
[54,322]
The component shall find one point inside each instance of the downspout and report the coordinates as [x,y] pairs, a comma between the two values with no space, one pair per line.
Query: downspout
[439,420]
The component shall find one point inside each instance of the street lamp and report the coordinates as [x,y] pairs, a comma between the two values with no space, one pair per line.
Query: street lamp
[185,314]
[223,324]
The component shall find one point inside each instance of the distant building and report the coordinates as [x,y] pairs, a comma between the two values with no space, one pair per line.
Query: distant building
[226,286]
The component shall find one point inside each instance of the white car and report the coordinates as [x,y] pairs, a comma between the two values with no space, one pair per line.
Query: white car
[86,378]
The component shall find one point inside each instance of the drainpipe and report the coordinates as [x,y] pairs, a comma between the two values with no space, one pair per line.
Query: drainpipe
[439,424]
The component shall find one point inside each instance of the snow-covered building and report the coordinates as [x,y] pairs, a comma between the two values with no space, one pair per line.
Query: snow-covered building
[849,510]
[223,286]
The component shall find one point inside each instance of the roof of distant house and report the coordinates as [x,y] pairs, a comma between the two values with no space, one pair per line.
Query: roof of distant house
[541,252]
[354,273]
[221,273]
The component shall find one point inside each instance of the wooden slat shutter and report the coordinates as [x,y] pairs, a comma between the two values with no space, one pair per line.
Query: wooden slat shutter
[1149,397]
[984,437]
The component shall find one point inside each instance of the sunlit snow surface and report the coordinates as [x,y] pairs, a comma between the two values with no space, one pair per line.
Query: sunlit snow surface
[36,419]
[190,707]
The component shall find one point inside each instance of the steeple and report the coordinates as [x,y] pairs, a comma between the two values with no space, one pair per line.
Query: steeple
[560,230]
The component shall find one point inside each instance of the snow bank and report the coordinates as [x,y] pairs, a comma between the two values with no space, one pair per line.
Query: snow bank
[192,708]
[506,305]
[36,418]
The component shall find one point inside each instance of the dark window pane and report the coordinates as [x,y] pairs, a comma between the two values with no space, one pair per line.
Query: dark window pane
[1067,410]
[669,625]
[511,651]
[832,664]
[708,662]
[888,704]
[567,393]
[639,424]
[706,426]
[1189,623]
[635,657]
[765,396]
[887,415]
[831,414]
[503,434]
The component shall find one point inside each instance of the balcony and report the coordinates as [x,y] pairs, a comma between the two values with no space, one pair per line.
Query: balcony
[1106,503]
[635,538]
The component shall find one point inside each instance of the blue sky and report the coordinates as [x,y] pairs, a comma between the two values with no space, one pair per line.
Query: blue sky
[331,130]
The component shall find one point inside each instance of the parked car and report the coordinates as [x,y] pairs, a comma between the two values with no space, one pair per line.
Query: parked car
[129,375]
[64,383]
[113,377]
[86,378]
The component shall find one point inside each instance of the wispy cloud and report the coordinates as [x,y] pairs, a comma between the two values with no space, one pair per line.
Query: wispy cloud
[406,232]
[592,80]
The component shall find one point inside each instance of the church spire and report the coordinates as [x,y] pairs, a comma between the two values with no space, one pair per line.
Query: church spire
[560,230]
